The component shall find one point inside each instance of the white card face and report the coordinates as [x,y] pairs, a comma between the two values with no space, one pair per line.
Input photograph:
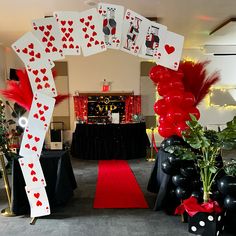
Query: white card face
[170,53]
[41,112]
[32,172]
[48,33]
[112,23]
[68,25]
[38,200]
[32,142]
[31,52]
[42,81]
[134,32]
[155,39]
[90,31]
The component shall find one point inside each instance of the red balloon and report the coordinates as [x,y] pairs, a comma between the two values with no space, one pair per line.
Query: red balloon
[194,111]
[161,119]
[166,129]
[160,107]
[163,89]
[188,99]
[175,114]
[156,73]
[174,97]
[181,126]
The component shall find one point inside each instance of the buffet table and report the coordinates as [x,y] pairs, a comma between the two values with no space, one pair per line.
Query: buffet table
[59,177]
[109,141]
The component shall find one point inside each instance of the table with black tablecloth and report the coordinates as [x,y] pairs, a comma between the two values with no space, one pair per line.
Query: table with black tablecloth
[110,141]
[59,177]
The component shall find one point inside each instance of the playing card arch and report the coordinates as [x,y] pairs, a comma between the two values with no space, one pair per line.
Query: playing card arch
[37,55]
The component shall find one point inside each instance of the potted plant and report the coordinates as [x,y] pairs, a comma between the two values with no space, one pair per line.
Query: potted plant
[204,149]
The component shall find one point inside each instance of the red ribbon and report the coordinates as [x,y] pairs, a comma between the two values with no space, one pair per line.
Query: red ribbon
[192,207]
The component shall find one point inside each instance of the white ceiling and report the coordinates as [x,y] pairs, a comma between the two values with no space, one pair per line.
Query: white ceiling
[192,18]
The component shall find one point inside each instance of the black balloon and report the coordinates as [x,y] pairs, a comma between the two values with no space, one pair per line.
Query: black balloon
[189,171]
[174,160]
[168,168]
[216,196]
[230,203]
[197,195]
[173,140]
[179,180]
[227,185]
[182,193]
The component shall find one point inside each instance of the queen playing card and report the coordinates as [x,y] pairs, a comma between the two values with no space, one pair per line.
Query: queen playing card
[48,33]
[170,53]
[112,16]
[90,31]
[134,31]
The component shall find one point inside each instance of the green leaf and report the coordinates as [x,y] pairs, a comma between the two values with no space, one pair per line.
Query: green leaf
[213,169]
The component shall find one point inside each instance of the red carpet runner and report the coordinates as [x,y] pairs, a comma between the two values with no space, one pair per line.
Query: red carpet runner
[117,186]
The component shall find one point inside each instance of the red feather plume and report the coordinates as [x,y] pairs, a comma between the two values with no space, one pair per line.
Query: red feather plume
[196,80]
[21,92]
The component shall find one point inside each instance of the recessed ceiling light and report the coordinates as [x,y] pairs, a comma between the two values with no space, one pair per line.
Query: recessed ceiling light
[90,3]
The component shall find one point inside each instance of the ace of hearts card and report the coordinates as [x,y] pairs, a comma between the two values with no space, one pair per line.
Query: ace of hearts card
[170,53]
[154,40]
[134,31]
[38,200]
[48,33]
[32,172]
[31,52]
[112,23]
[90,31]
[68,25]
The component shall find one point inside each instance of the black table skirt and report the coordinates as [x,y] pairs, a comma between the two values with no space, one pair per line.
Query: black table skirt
[110,141]
[59,177]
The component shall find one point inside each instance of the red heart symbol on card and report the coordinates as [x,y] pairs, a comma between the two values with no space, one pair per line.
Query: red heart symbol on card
[71,39]
[81,20]
[25,50]
[63,22]
[45,78]
[36,139]
[70,22]
[100,11]
[77,46]
[70,30]
[34,148]
[47,50]
[96,42]
[27,146]
[63,30]
[31,45]
[91,39]
[67,35]
[127,17]
[41,112]
[47,85]
[35,72]
[38,203]
[64,39]
[44,39]
[18,50]
[51,38]
[87,23]
[37,195]
[64,45]
[84,29]
[92,27]
[117,41]
[89,45]
[169,49]
[49,44]
[35,28]
[94,33]
[31,59]
[31,165]
[86,36]
[43,70]
[34,179]
[49,27]
[176,63]
[38,55]
[39,87]
[33,172]
[90,17]
[71,46]
[45,107]
[102,42]
[41,28]
[39,104]
[42,118]
[36,116]
[47,33]
[30,136]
